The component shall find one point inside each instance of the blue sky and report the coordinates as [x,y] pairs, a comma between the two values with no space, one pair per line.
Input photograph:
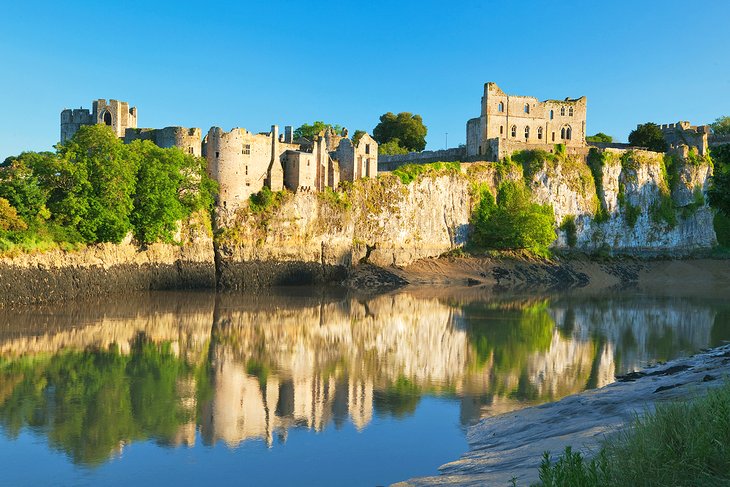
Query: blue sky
[254,64]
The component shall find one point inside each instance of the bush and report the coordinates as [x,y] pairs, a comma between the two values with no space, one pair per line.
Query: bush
[513,221]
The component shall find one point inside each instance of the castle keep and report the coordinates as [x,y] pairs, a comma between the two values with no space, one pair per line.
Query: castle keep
[240,161]
[116,114]
[509,123]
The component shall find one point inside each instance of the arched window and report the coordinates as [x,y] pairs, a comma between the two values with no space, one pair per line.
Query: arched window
[527,108]
[500,107]
[562,133]
[107,117]
[539,133]
[514,131]
[552,114]
[568,132]
[562,111]
[570,111]
[527,132]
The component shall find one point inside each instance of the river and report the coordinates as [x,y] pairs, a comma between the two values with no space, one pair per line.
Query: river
[306,387]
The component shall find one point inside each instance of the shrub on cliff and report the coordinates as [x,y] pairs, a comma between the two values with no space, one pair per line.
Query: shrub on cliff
[411,172]
[513,221]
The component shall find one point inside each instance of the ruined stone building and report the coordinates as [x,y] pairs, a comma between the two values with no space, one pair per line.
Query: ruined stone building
[116,114]
[240,161]
[243,162]
[509,123]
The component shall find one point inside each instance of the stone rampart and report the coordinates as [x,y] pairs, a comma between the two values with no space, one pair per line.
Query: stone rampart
[390,163]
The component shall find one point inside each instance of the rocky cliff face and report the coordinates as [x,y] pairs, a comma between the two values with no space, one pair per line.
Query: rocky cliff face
[307,237]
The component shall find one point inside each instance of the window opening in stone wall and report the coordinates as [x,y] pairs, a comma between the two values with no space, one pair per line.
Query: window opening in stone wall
[552,114]
[190,149]
[246,170]
[570,111]
[247,149]
[527,108]
[500,107]
[562,111]
[527,132]
[514,131]
[107,118]
[568,132]
[501,129]
[539,133]
[367,148]
[217,154]
[553,136]
[562,133]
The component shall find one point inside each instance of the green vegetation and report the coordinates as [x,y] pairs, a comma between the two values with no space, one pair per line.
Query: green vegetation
[335,199]
[97,189]
[532,161]
[648,135]
[571,232]
[392,148]
[87,403]
[412,172]
[265,200]
[406,129]
[721,223]
[719,193]
[513,221]
[596,161]
[600,137]
[356,136]
[681,443]
[398,399]
[721,126]
[310,131]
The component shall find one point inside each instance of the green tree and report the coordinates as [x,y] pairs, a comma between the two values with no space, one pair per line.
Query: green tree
[648,135]
[407,128]
[719,192]
[600,137]
[94,184]
[392,148]
[721,126]
[309,131]
[21,186]
[170,185]
[357,136]
[513,221]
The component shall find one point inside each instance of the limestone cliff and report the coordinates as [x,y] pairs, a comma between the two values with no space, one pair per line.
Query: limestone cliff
[622,201]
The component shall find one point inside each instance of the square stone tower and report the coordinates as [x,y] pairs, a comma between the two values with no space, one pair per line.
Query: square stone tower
[116,114]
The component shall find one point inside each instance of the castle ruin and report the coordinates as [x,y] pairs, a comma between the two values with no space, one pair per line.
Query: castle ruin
[240,161]
[509,123]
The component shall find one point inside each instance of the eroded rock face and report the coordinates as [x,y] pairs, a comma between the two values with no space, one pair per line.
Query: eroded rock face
[392,224]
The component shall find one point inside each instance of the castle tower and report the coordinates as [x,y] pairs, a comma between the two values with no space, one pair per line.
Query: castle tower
[116,114]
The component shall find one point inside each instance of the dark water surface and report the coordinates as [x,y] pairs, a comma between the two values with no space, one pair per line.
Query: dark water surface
[305,387]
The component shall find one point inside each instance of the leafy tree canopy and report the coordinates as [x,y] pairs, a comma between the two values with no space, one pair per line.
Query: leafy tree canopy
[600,137]
[513,221]
[648,135]
[406,128]
[721,126]
[392,148]
[309,131]
[357,136]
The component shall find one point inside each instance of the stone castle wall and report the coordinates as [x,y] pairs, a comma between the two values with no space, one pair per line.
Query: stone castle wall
[187,139]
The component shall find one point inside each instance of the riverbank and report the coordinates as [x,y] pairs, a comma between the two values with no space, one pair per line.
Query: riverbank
[511,445]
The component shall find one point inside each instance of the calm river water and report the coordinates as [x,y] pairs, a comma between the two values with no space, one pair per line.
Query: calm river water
[305,387]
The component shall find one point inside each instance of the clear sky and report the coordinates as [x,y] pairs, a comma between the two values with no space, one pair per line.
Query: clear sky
[254,64]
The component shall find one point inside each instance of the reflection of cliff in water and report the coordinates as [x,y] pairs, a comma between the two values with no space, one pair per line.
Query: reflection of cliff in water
[165,366]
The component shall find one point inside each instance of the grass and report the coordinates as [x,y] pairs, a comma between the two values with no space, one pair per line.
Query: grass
[679,444]
[412,172]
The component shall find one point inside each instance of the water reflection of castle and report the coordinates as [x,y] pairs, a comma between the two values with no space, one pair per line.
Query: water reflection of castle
[273,364]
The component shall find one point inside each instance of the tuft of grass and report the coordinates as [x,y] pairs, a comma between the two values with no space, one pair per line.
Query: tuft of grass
[680,443]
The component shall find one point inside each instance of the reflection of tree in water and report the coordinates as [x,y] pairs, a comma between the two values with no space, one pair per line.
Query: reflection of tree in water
[720,327]
[90,403]
[507,337]
[398,399]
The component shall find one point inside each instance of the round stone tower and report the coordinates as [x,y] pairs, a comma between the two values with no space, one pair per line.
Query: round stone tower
[224,153]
